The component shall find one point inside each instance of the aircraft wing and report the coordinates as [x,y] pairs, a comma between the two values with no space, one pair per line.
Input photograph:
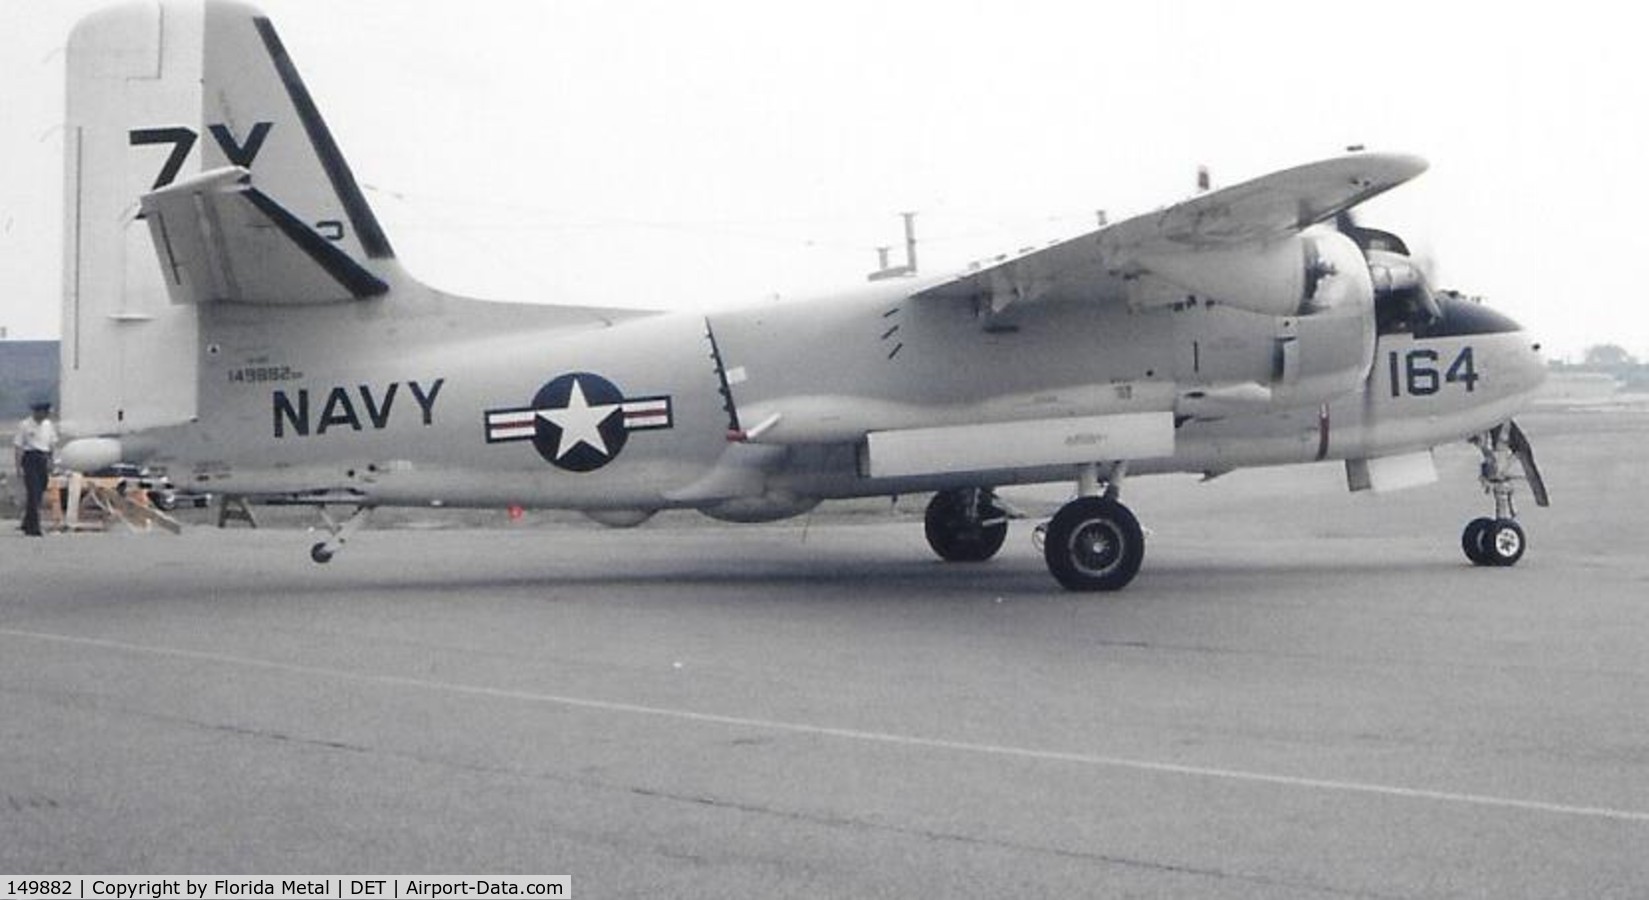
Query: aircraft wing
[221,239]
[1240,218]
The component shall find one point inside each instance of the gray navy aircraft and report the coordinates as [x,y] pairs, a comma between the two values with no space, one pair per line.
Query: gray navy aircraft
[235,317]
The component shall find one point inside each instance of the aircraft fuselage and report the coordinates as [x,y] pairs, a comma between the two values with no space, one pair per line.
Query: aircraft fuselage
[647,412]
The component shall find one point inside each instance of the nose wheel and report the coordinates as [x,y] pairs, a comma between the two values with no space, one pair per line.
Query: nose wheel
[1493,542]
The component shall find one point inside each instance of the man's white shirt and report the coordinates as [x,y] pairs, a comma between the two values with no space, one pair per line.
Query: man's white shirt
[32,435]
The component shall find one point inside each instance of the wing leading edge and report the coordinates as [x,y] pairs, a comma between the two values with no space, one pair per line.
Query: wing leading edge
[1245,218]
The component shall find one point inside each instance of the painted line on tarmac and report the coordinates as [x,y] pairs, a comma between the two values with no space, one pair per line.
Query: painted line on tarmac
[852,734]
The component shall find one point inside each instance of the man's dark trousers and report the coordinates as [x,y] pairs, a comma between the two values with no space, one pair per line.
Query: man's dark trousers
[36,468]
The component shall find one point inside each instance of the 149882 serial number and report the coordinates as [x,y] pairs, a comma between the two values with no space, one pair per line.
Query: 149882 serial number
[40,888]
[263,374]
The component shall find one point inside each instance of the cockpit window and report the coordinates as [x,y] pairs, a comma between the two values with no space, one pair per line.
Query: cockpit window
[1399,312]
[1463,316]
[1456,316]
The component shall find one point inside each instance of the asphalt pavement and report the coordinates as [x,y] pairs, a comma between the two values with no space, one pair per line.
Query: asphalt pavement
[1304,694]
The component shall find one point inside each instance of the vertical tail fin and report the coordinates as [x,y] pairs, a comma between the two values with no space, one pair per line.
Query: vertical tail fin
[159,93]
[260,116]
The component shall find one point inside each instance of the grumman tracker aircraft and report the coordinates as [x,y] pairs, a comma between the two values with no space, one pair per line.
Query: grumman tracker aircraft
[235,317]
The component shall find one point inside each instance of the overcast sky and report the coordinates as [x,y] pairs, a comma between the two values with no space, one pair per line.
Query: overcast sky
[711,154]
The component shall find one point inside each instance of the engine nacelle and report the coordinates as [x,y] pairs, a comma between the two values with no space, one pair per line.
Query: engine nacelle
[1269,279]
[1322,338]
[1326,351]
[1300,274]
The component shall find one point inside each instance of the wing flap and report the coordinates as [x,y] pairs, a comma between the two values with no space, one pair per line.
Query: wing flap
[220,239]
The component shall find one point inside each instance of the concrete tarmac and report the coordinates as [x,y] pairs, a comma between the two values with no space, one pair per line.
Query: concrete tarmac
[1304,694]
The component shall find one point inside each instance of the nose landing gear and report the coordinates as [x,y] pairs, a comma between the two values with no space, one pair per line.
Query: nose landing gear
[1500,541]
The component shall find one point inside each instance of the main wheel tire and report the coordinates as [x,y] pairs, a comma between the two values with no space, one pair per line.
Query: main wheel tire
[957,539]
[320,554]
[1471,540]
[1094,544]
[1504,542]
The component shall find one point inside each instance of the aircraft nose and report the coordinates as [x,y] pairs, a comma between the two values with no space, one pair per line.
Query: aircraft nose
[1516,352]
[1530,362]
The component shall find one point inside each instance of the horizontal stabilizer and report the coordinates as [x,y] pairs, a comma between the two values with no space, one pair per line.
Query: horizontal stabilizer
[220,239]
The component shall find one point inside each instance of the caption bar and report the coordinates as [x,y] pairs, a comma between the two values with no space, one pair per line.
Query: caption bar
[88,887]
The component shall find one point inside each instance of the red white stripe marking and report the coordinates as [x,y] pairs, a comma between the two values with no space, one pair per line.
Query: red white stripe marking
[653,412]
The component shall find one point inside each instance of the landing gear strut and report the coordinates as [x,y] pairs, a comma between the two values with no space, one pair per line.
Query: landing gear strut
[340,532]
[1094,543]
[966,524]
[1500,541]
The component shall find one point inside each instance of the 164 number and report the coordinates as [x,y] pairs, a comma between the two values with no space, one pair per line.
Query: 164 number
[1417,372]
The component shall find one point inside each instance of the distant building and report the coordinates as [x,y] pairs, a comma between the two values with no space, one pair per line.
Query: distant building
[28,373]
[1578,388]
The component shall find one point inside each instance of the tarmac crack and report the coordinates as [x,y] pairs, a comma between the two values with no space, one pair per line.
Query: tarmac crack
[777,726]
[939,836]
[682,798]
[78,699]
[1381,663]
[30,804]
[824,820]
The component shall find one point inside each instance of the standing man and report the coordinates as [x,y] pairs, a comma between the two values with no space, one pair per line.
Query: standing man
[32,452]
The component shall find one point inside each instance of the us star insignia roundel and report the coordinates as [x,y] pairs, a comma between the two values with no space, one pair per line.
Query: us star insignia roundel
[578,421]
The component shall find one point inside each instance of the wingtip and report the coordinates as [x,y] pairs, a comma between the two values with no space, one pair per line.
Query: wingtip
[1395,168]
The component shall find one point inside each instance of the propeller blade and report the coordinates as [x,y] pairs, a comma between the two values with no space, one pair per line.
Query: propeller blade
[1368,239]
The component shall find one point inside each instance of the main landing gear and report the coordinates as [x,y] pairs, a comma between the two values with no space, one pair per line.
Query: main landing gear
[1094,543]
[1500,541]
[966,524]
[340,532]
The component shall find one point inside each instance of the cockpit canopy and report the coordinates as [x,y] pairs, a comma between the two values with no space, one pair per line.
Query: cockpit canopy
[1457,315]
